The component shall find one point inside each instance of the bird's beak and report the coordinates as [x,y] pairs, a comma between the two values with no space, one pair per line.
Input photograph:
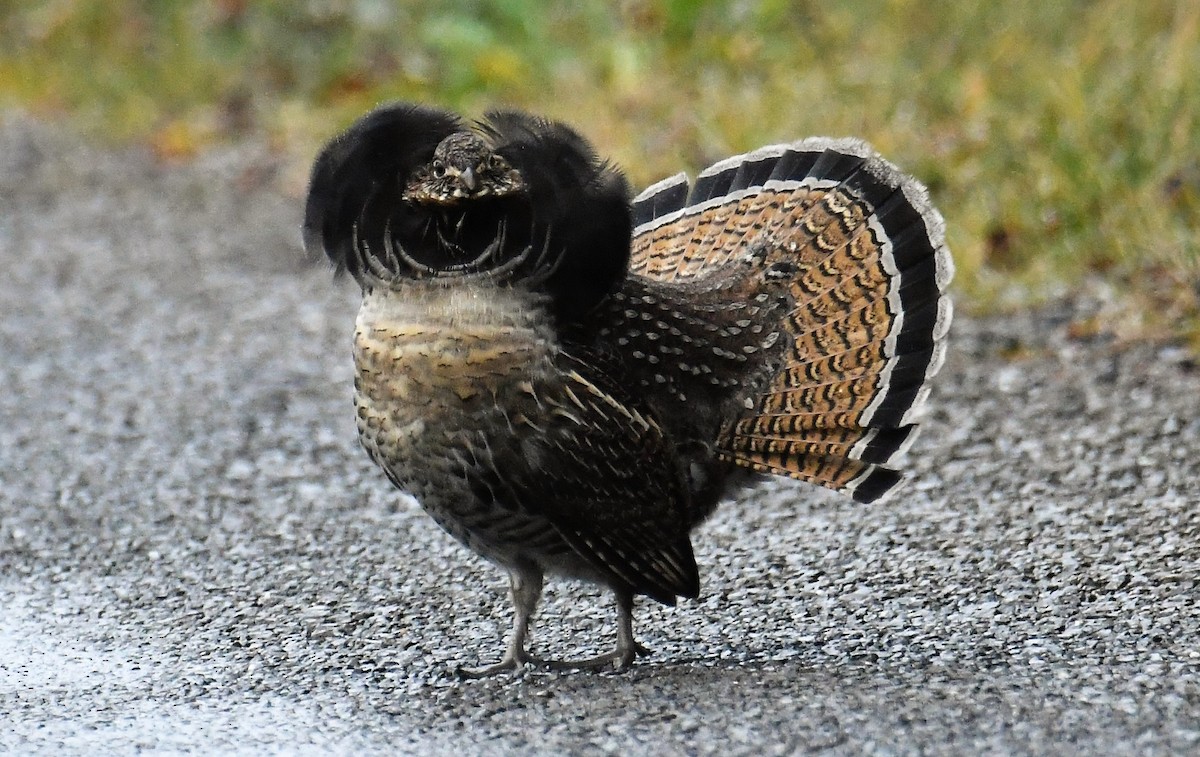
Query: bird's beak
[467,177]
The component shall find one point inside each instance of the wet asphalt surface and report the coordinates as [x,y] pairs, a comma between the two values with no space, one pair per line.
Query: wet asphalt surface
[195,556]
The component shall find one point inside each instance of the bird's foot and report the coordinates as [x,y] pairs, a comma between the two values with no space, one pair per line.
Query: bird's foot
[512,663]
[619,659]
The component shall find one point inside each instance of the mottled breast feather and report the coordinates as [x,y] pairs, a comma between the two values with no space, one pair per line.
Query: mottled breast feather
[519,449]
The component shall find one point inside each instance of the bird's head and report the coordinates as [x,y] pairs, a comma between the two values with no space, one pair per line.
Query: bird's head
[410,193]
[463,167]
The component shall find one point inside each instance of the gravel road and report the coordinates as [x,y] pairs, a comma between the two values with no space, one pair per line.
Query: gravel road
[196,557]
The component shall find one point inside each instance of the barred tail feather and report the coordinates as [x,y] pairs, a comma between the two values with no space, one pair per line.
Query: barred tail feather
[870,445]
[866,266]
[862,481]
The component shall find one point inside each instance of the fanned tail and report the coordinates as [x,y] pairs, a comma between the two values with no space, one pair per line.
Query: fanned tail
[859,252]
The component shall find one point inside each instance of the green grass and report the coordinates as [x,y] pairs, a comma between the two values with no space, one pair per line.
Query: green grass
[1060,139]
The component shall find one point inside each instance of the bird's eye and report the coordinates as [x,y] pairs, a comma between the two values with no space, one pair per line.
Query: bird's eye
[439,169]
[495,161]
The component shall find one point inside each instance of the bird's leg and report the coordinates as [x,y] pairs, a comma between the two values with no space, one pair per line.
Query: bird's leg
[525,589]
[627,647]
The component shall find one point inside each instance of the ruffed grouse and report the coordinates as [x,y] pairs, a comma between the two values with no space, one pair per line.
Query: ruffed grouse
[569,381]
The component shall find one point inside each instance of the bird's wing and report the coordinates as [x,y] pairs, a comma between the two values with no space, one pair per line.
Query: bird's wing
[611,486]
[854,254]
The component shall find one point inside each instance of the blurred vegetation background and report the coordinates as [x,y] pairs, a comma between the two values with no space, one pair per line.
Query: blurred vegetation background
[1060,139]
